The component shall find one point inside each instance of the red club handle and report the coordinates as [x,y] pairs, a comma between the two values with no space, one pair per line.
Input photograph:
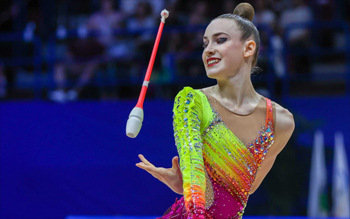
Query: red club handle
[150,68]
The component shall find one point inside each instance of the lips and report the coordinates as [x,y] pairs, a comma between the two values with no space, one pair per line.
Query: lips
[212,61]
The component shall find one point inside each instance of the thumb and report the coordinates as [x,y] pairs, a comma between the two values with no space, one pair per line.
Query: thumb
[176,161]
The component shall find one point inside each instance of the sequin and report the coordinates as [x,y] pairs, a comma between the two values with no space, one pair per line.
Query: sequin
[217,168]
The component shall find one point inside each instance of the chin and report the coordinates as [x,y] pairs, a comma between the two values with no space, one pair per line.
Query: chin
[213,74]
[219,75]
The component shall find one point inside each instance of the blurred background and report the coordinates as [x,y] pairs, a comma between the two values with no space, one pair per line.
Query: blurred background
[71,72]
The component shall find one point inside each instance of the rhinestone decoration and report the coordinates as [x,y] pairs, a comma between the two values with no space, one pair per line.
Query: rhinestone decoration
[218,169]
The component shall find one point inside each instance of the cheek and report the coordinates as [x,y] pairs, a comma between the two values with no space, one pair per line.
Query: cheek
[232,60]
[233,54]
[230,55]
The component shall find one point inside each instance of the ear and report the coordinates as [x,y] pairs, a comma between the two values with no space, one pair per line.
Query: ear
[249,48]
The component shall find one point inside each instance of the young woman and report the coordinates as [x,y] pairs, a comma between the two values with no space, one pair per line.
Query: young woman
[227,135]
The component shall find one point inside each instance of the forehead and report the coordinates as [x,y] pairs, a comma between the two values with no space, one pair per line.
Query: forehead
[222,25]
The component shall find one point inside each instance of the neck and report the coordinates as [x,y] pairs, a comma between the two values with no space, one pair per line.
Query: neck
[237,90]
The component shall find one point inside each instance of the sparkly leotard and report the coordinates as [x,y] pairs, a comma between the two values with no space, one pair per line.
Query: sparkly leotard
[218,168]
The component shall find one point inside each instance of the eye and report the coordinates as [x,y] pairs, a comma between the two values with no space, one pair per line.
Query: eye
[205,45]
[221,40]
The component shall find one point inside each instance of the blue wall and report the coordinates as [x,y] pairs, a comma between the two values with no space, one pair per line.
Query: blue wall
[75,159]
[329,114]
[59,160]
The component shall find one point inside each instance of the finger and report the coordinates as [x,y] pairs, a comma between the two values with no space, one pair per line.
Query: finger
[146,167]
[143,159]
[150,170]
[142,166]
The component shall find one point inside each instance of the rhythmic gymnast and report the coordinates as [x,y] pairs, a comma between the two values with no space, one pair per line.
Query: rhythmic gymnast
[228,135]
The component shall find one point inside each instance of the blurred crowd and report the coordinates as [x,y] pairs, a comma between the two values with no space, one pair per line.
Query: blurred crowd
[114,39]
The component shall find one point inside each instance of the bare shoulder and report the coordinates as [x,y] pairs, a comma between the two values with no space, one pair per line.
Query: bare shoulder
[284,120]
[284,127]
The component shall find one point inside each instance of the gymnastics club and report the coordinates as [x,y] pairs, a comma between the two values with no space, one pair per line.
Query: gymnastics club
[133,126]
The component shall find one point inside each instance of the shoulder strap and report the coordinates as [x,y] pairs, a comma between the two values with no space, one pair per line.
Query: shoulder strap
[269,112]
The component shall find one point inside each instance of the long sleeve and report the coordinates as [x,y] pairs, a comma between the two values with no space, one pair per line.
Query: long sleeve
[186,121]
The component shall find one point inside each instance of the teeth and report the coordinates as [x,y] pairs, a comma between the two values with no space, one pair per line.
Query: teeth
[213,61]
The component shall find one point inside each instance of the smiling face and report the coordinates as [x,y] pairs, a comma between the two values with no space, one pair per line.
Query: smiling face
[224,51]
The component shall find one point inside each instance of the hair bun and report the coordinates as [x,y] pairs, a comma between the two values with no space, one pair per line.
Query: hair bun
[244,10]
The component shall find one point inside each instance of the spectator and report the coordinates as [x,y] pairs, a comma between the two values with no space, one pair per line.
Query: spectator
[82,57]
[104,22]
[129,6]
[324,11]
[174,39]
[263,14]
[177,16]
[198,17]
[143,20]
[298,38]
[279,6]
[300,13]
[80,62]
[265,20]
[228,6]
[3,82]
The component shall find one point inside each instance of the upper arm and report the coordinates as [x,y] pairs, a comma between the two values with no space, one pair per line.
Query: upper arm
[284,127]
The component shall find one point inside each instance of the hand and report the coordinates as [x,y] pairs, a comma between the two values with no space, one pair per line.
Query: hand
[172,177]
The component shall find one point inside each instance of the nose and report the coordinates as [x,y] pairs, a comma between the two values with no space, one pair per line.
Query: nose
[209,50]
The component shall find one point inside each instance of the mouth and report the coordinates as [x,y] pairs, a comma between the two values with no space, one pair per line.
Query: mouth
[212,61]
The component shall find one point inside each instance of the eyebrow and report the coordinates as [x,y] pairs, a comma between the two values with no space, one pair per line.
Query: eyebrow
[216,34]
